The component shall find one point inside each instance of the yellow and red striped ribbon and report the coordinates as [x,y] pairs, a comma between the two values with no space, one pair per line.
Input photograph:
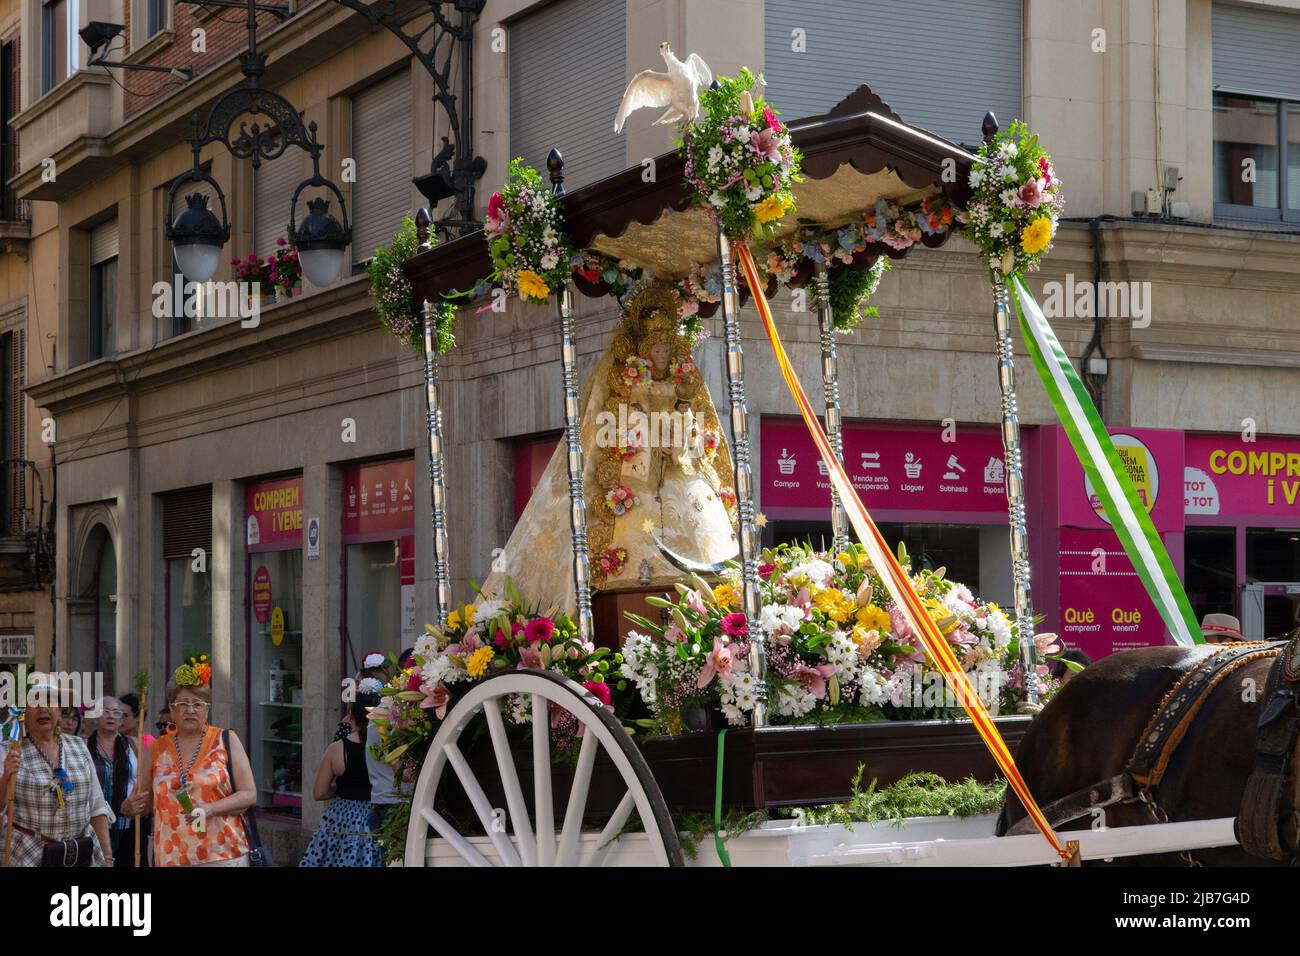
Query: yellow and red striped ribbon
[896,580]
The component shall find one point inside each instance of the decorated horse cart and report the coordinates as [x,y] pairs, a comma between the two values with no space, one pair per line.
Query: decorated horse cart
[635,595]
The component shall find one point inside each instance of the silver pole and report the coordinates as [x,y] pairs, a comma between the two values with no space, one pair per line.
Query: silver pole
[573,434]
[437,482]
[831,388]
[1015,485]
[744,478]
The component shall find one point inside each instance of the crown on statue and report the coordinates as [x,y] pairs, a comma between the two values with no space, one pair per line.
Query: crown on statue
[654,315]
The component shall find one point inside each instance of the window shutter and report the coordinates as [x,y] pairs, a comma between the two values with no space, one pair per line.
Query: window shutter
[187,522]
[103,242]
[936,69]
[1256,51]
[273,186]
[18,426]
[382,145]
[567,64]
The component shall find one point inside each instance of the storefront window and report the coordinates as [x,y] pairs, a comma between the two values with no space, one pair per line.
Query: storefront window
[275,643]
[1273,558]
[1208,561]
[189,609]
[379,565]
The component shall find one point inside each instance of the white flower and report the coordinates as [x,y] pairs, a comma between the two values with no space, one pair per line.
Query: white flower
[842,654]
[715,156]
[1007,150]
[743,133]
[717,201]
[780,617]
[373,660]
[486,610]
[814,570]
[1008,196]
[959,600]
[995,230]
[976,176]
[426,646]
[873,689]
[369,685]
[753,193]
[550,261]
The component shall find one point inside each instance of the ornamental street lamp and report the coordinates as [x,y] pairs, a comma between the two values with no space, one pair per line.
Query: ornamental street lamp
[196,233]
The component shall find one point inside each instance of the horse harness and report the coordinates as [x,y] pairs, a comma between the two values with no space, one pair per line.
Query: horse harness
[1264,826]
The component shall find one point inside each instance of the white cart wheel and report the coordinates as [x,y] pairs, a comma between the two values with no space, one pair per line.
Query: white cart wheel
[532,841]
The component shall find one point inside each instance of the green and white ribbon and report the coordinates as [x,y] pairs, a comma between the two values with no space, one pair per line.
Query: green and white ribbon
[1096,452]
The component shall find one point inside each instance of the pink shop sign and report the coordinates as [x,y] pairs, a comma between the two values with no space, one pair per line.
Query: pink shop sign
[1225,475]
[1104,606]
[892,468]
[1153,459]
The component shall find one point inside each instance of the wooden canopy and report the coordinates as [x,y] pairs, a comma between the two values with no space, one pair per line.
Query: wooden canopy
[854,155]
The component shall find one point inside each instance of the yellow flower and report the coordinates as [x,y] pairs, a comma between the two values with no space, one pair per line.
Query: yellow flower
[945,619]
[470,611]
[866,639]
[1035,236]
[725,595]
[477,664]
[773,207]
[834,604]
[453,619]
[873,618]
[531,286]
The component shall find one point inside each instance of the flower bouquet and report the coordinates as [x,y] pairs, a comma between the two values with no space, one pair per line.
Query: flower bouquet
[1015,203]
[740,161]
[480,640]
[255,271]
[530,251]
[283,267]
[391,292]
[838,649]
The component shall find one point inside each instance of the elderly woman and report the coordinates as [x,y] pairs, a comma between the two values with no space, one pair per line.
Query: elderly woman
[190,775]
[60,817]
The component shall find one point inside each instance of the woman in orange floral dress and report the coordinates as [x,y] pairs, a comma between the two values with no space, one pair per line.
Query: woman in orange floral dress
[188,776]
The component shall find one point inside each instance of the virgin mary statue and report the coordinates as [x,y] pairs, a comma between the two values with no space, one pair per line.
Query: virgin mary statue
[656,470]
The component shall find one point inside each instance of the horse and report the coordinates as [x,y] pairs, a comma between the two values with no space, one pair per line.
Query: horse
[1089,731]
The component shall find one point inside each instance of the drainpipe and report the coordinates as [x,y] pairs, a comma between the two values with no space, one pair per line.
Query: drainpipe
[1095,383]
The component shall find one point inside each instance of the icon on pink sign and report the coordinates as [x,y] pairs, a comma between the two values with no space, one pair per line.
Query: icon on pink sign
[352,496]
[911,465]
[821,468]
[870,459]
[995,472]
[785,464]
[954,466]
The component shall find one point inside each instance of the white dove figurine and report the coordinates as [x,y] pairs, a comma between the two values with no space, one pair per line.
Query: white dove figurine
[677,89]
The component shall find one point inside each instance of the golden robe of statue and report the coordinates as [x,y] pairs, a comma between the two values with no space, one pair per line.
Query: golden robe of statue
[656,464]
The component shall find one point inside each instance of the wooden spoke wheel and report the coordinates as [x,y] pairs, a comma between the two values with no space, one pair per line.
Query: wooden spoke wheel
[520,838]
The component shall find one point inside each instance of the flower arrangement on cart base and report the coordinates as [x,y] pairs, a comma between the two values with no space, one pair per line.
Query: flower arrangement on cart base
[838,650]
[480,640]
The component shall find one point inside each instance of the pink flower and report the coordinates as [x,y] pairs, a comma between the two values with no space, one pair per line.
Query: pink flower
[1047,643]
[813,678]
[899,625]
[280,241]
[674,634]
[414,682]
[735,625]
[598,689]
[718,662]
[530,657]
[539,629]
[802,600]
[696,603]
[1045,168]
[765,146]
[499,639]
[1031,193]
[497,216]
[765,571]
[436,698]
[770,118]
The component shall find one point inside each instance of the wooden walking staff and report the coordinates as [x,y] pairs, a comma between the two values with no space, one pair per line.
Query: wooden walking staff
[573,434]
[744,477]
[831,389]
[433,420]
[1015,481]
[15,733]
[142,695]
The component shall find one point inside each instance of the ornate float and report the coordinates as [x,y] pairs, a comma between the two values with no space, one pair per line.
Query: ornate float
[749,671]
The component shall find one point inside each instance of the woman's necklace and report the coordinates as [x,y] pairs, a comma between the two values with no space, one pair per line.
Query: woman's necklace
[60,782]
[187,768]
